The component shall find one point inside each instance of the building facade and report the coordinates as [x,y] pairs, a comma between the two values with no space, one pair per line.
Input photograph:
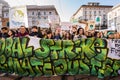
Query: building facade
[4,14]
[41,16]
[91,11]
[114,18]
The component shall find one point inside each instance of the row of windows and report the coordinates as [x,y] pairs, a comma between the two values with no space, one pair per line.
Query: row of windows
[97,8]
[42,18]
[39,13]
[33,13]
[90,17]
[6,14]
[95,12]
[104,16]
[39,18]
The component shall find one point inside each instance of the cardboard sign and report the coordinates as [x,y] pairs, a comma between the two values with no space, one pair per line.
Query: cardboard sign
[18,17]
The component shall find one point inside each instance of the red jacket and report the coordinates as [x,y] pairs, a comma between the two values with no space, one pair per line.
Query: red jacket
[22,35]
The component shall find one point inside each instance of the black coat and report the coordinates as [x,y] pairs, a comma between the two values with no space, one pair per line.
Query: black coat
[34,34]
[5,35]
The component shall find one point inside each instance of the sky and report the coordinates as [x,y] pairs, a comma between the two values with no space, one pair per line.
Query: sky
[65,8]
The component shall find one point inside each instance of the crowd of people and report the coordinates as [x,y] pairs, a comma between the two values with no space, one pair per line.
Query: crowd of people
[74,34]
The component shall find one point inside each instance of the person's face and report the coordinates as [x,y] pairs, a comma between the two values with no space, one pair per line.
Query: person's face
[117,35]
[89,34]
[43,32]
[49,35]
[34,30]
[4,31]
[111,36]
[81,31]
[64,32]
[98,35]
[74,30]
[86,33]
[22,29]
[57,32]
[9,33]
[67,35]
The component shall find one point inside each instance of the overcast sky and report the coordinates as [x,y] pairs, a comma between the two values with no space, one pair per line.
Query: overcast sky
[65,8]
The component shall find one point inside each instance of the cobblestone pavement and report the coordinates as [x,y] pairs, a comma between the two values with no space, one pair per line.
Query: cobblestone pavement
[77,77]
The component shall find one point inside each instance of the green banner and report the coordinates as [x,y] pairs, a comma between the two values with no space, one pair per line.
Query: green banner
[57,57]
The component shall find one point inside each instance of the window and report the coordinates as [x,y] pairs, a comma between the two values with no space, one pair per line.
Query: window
[6,14]
[85,16]
[90,12]
[44,13]
[50,13]
[104,22]
[39,17]
[95,13]
[100,13]
[39,13]
[90,17]
[104,16]
[45,18]
[85,12]
[32,13]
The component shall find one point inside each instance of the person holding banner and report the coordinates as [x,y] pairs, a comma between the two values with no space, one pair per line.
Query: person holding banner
[4,32]
[49,35]
[97,35]
[74,32]
[80,33]
[34,31]
[22,32]
[67,36]
[57,35]
[11,33]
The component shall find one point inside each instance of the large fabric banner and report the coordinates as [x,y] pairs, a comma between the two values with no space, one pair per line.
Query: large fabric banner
[30,56]
[114,48]
[18,17]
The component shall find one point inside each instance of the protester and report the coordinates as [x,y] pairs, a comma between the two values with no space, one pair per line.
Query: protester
[74,33]
[39,33]
[11,34]
[34,31]
[116,35]
[88,34]
[57,35]
[97,34]
[0,34]
[22,32]
[67,36]
[49,35]
[63,33]
[4,32]
[43,33]
[80,33]
[110,35]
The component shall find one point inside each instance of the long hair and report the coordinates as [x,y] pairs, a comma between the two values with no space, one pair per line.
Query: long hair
[79,30]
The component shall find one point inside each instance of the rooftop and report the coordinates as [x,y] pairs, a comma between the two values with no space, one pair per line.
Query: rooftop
[44,7]
[116,6]
[41,7]
[4,3]
[93,5]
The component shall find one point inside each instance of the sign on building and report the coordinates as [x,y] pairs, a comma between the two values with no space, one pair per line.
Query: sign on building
[18,17]
[98,20]
[91,26]
[45,25]
[53,19]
